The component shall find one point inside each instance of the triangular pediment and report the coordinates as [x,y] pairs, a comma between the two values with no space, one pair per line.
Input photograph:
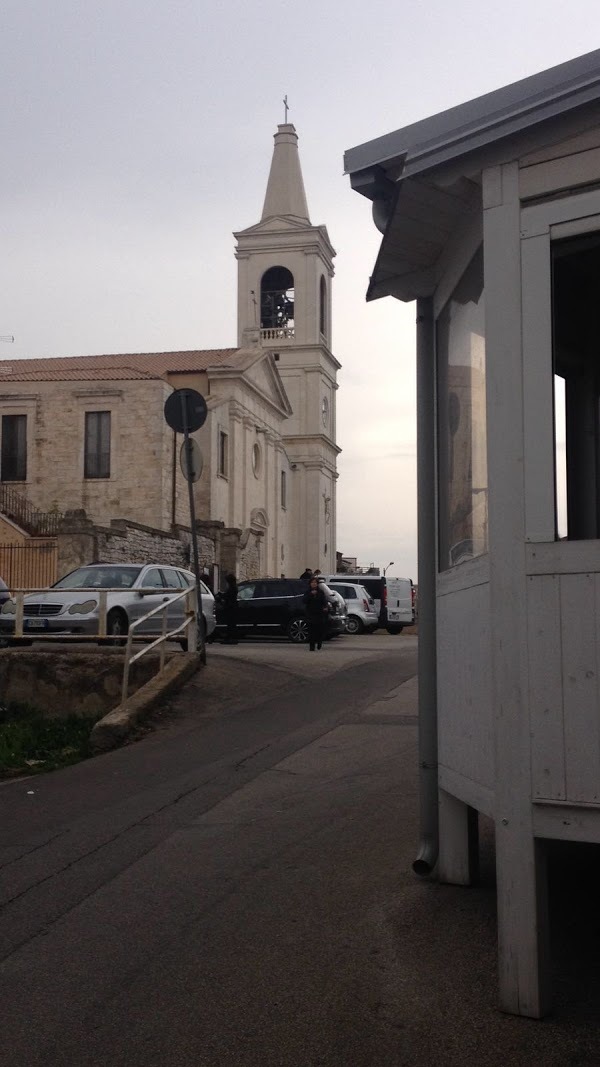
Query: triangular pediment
[257,370]
[275,224]
[264,376]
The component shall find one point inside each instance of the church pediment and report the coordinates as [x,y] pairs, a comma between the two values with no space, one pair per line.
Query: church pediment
[264,376]
[275,224]
[257,370]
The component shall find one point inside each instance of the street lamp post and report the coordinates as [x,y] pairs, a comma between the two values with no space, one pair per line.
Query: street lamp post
[385,569]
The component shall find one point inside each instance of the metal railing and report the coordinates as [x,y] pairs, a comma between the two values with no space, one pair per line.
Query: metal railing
[18,508]
[189,626]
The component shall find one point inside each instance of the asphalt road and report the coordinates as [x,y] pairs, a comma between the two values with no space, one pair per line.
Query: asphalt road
[235,888]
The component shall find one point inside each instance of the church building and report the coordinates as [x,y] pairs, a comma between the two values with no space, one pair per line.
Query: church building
[88,432]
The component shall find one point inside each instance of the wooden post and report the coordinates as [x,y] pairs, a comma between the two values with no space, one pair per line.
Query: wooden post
[521,886]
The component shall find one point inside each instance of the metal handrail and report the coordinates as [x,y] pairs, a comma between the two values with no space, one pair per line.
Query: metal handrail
[23,512]
[190,624]
[190,621]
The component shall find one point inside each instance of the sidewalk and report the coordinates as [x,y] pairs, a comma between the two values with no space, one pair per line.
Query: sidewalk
[236,896]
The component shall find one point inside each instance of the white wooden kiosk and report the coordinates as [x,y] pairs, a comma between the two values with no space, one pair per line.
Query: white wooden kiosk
[491,220]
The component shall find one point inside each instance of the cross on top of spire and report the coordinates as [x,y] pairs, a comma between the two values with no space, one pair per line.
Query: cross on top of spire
[285,104]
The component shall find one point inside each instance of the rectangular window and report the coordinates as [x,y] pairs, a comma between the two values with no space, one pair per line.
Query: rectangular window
[462,443]
[575,267]
[97,444]
[223,465]
[283,490]
[14,448]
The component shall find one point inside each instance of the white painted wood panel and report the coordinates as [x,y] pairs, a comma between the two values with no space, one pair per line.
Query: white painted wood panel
[565,172]
[564,822]
[519,866]
[579,639]
[538,385]
[475,794]
[538,218]
[581,142]
[548,775]
[465,735]
[564,557]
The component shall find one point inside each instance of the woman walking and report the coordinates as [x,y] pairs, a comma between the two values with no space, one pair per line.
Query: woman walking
[317,610]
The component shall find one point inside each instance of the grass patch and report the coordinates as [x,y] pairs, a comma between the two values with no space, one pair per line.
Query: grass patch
[31,744]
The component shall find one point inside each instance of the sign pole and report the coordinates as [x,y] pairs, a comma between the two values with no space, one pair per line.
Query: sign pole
[189,454]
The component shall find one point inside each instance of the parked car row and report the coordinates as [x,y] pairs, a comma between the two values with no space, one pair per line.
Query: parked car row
[357,604]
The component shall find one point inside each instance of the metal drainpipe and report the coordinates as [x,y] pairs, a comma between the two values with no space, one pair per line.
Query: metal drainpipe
[427,540]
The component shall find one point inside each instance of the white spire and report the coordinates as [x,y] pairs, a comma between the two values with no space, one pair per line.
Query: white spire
[285,188]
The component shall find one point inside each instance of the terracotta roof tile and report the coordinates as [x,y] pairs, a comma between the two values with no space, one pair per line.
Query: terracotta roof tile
[13,373]
[118,366]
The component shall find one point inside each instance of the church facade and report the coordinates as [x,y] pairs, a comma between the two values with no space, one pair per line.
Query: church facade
[88,432]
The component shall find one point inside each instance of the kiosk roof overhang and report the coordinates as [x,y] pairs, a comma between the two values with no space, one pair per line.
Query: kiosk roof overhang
[423,178]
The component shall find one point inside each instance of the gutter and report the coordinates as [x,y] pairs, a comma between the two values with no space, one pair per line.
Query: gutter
[426,515]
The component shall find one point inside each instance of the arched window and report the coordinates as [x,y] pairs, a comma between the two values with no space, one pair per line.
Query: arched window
[323,307]
[277,302]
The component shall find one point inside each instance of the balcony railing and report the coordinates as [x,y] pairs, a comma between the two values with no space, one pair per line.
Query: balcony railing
[278,333]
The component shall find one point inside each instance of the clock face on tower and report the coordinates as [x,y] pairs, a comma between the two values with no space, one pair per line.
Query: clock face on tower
[325,411]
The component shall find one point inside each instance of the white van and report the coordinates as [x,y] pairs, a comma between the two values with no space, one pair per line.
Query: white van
[394,598]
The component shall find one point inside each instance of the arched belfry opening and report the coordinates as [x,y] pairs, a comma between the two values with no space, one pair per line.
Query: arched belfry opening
[277,303]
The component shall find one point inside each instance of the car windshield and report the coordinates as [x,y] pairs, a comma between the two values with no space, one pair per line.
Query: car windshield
[109,577]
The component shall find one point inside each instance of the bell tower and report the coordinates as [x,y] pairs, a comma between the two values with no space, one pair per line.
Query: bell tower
[285,273]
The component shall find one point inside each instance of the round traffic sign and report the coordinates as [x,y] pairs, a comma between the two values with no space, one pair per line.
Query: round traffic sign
[185,410]
[192,468]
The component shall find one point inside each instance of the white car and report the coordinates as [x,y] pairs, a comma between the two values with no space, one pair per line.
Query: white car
[71,605]
[362,613]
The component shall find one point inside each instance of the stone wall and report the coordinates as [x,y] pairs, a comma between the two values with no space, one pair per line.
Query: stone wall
[81,541]
[142,461]
[131,542]
[229,549]
[59,683]
[250,555]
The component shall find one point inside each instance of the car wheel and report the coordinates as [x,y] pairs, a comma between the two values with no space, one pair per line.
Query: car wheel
[394,629]
[117,625]
[297,629]
[354,625]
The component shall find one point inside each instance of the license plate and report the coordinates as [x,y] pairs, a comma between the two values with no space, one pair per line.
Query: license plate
[36,624]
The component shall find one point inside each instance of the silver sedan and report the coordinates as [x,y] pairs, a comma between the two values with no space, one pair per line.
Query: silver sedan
[72,605]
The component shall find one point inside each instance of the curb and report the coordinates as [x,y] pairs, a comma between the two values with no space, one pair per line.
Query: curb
[113,727]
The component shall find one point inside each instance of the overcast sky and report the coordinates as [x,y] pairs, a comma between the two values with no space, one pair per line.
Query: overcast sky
[137,135]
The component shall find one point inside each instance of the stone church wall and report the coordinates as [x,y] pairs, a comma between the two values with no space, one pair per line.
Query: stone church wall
[250,565]
[140,486]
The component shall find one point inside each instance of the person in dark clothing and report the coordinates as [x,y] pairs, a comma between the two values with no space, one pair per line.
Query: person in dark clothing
[230,605]
[307,574]
[317,610]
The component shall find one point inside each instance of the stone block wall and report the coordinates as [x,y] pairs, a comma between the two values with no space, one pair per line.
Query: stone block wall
[249,564]
[80,541]
[142,463]
[79,683]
